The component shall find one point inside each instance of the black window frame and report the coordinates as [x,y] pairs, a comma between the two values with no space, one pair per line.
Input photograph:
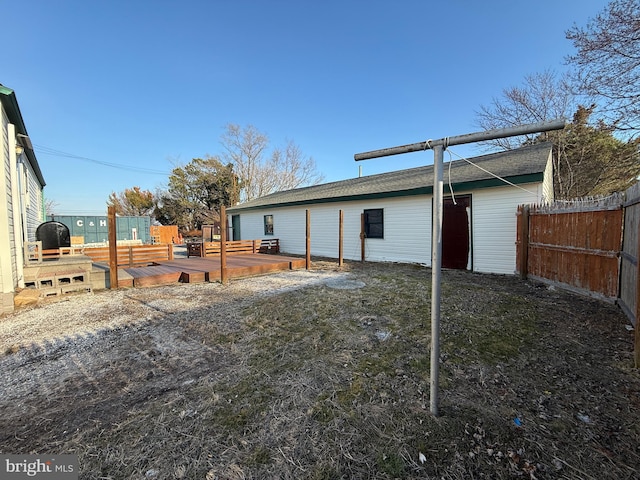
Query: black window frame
[268,224]
[374,223]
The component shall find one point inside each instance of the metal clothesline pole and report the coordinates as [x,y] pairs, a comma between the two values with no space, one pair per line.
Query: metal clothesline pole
[438,147]
[436,268]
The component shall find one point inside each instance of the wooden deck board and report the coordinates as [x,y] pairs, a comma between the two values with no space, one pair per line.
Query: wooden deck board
[153,275]
[201,269]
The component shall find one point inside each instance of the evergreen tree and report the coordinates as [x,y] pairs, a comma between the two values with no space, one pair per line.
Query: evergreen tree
[196,192]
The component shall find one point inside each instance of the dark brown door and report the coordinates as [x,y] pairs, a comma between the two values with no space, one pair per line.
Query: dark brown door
[455,233]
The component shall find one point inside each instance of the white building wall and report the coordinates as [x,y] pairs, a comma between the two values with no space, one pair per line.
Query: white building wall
[19,213]
[289,227]
[407,228]
[493,214]
[547,188]
[7,244]
[32,195]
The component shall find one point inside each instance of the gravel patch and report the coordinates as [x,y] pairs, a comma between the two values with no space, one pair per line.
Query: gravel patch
[81,315]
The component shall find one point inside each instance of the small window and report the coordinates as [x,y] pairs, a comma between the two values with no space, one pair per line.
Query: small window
[374,223]
[268,224]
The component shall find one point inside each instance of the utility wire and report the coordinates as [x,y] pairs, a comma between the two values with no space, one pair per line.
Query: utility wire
[41,149]
[490,173]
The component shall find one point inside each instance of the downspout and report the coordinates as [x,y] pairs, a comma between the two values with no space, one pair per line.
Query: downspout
[43,207]
[16,195]
[23,183]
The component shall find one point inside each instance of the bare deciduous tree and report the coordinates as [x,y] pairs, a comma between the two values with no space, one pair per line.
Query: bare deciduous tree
[607,62]
[261,174]
[245,148]
[544,96]
[50,207]
[587,158]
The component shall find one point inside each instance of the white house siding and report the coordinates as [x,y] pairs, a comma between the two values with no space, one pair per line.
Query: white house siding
[407,229]
[493,214]
[19,213]
[407,219]
[547,189]
[7,244]
[33,202]
[289,226]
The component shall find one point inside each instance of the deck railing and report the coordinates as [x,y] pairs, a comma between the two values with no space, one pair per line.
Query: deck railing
[132,255]
[236,247]
[128,255]
[34,253]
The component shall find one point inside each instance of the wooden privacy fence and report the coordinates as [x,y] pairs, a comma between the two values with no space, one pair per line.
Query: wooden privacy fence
[577,245]
[589,246]
[592,248]
[165,234]
[629,264]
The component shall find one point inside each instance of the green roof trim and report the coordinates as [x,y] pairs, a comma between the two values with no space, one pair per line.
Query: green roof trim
[427,190]
[496,182]
[523,165]
[10,104]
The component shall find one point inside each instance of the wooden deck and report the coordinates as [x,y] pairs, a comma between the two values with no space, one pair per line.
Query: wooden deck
[201,269]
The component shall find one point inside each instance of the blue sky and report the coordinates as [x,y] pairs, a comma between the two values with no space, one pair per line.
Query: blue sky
[152,84]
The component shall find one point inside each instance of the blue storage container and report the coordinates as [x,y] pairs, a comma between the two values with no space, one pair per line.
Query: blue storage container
[95,229]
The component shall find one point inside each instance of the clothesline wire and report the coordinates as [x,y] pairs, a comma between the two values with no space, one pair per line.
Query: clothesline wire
[484,170]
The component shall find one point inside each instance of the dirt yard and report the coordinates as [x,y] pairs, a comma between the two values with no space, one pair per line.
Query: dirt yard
[325,375]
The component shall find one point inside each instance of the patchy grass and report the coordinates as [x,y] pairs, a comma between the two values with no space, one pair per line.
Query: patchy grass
[329,382]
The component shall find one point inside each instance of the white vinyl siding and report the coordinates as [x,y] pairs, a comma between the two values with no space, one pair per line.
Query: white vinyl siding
[547,188]
[33,202]
[407,230]
[288,226]
[7,245]
[493,213]
[407,227]
[20,200]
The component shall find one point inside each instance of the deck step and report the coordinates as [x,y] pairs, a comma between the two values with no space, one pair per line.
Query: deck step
[200,269]
[153,275]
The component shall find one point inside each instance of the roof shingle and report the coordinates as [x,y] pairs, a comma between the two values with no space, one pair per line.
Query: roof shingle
[524,161]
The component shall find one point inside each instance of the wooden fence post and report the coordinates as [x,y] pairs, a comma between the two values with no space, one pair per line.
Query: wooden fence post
[308,241]
[523,259]
[113,248]
[636,342]
[340,237]
[223,245]
[362,238]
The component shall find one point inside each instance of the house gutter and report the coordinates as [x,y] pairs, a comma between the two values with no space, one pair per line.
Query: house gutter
[426,190]
[10,102]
